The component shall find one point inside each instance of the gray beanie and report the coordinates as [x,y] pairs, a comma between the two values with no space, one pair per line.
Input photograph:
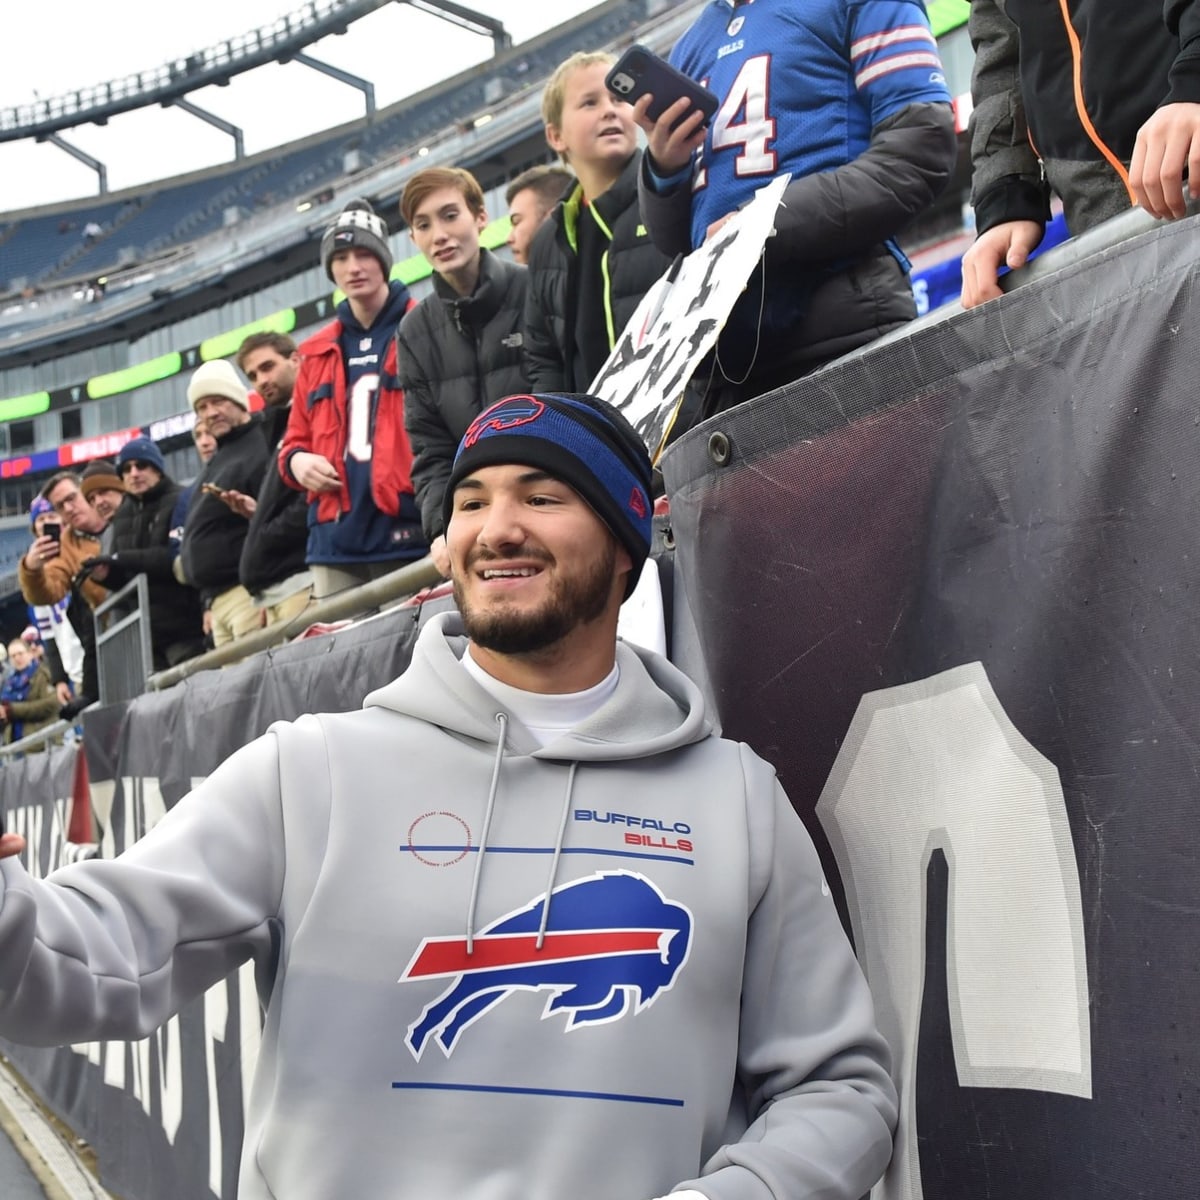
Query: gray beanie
[357,225]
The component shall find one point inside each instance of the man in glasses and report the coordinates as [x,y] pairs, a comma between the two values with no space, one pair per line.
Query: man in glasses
[52,570]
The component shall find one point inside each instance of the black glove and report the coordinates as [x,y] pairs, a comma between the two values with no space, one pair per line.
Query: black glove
[99,560]
[73,708]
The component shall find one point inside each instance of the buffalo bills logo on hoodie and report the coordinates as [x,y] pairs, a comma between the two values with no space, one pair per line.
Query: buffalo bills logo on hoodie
[612,943]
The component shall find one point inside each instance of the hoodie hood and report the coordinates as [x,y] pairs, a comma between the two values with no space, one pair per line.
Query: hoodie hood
[654,709]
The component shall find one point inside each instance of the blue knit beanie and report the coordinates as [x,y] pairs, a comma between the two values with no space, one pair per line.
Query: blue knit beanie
[39,508]
[581,440]
[141,449]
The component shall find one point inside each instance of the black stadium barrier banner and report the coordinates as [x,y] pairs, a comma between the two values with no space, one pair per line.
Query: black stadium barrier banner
[164,1115]
[35,800]
[949,587]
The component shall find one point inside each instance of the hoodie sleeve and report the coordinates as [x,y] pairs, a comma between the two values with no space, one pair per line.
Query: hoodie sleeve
[1183,19]
[111,949]
[813,1066]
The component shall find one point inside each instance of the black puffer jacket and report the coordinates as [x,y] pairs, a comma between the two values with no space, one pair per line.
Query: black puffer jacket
[141,545]
[456,355]
[552,312]
[213,534]
[1060,92]
[277,539]
[832,283]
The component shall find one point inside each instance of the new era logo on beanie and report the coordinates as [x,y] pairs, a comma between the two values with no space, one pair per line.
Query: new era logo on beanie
[579,439]
[356,225]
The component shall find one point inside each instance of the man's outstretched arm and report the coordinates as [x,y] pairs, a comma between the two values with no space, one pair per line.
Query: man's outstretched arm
[113,948]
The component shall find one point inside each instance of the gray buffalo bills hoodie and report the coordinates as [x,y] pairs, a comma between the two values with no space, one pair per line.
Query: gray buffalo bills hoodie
[602,969]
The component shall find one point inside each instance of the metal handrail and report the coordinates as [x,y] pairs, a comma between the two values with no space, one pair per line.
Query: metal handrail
[1105,236]
[35,740]
[396,585]
[105,633]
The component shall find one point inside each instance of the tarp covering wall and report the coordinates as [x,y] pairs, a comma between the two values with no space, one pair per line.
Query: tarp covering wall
[950,589]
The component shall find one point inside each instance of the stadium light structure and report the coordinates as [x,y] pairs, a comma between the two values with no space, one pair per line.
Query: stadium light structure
[168,85]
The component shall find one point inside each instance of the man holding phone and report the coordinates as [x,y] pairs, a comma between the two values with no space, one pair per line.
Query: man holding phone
[51,571]
[849,99]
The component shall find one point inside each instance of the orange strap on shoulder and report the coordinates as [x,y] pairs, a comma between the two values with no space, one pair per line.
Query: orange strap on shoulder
[1090,129]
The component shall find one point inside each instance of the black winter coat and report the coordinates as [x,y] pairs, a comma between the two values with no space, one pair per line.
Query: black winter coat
[213,534]
[142,545]
[832,284]
[455,356]
[552,310]
[277,539]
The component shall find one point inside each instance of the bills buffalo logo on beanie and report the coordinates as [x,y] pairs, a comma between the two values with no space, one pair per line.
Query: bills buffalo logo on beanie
[581,440]
[508,414]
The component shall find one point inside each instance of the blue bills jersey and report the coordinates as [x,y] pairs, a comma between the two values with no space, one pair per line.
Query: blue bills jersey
[801,86]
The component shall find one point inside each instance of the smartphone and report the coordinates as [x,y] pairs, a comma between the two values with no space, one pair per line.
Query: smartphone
[640,70]
[52,529]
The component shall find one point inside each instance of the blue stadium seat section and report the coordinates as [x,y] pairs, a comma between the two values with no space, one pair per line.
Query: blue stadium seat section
[44,250]
[32,248]
[13,544]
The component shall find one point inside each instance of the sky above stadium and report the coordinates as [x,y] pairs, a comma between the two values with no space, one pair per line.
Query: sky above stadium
[399,48]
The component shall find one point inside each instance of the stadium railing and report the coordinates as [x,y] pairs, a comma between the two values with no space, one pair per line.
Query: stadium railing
[387,590]
[123,653]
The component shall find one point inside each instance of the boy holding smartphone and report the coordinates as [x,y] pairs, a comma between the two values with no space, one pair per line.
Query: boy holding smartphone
[592,260]
[848,98]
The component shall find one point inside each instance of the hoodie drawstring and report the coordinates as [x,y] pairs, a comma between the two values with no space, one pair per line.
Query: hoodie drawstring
[502,721]
[562,833]
[489,811]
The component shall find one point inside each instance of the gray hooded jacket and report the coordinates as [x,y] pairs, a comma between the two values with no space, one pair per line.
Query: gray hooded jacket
[499,971]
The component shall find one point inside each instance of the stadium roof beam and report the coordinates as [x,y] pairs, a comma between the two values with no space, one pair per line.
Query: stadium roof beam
[363,85]
[239,145]
[85,158]
[279,41]
[467,18]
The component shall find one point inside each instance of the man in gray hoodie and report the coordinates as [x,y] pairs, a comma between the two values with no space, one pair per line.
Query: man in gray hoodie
[526,927]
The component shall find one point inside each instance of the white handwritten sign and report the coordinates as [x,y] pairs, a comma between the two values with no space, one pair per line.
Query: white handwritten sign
[680,317]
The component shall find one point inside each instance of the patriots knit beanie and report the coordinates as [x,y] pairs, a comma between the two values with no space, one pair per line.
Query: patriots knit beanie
[142,449]
[39,508]
[356,225]
[579,439]
[98,476]
[217,378]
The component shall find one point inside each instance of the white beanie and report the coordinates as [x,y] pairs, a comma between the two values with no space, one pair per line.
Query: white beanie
[217,378]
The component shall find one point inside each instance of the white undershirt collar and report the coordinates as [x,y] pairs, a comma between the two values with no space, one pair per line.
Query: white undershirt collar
[545,716]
